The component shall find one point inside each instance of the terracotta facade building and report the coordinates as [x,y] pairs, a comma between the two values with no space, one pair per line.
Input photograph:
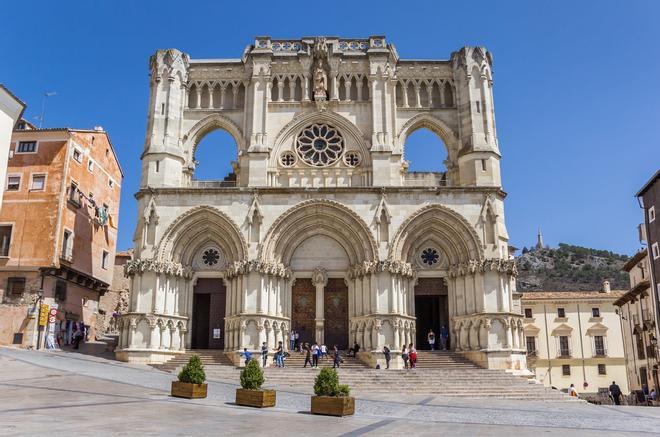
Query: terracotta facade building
[58,229]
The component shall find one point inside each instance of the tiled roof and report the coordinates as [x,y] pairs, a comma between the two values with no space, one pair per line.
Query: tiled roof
[554,295]
[632,261]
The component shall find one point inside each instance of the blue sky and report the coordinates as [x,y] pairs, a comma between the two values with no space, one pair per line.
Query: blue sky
[576,87]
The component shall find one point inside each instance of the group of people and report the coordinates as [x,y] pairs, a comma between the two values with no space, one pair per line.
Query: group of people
[614,392]
[444,336]
[315,352]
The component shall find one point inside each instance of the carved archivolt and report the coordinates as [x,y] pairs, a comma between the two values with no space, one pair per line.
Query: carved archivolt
[434,124]
[319,217]
[199,226]
[446,227]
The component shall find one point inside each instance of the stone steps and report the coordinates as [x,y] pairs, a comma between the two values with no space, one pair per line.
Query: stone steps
[439,373]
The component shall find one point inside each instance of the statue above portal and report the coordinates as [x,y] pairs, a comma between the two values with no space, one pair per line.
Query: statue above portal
[320,81]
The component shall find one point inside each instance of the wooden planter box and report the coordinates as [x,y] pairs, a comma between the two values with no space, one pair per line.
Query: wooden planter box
[255,398]
[333,406]
[188,390]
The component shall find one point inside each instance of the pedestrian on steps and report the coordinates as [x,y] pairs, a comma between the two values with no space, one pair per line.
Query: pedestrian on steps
[337,358]
[324,351]
[279,354]
[264,354]
[444,336]
[412,356]
[308,356]
[404,356]
[430,337]
[388,356]
[248,356]
[316,351]
[292,340]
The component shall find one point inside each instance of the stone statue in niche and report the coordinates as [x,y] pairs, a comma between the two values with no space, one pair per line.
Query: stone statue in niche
[320,81]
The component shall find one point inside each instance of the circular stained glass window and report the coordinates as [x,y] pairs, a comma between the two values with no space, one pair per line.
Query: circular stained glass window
[210,257]
[430,256]
[287,159]
[352,159]
[320,145]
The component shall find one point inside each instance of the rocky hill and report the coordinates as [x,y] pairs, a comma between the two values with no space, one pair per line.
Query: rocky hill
[570,268]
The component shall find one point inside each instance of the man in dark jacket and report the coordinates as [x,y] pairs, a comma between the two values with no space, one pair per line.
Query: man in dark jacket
[615,392]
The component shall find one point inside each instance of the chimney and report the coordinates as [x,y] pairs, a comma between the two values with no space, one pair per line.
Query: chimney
[606,287]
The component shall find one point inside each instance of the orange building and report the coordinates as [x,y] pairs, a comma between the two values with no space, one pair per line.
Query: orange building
[58,230]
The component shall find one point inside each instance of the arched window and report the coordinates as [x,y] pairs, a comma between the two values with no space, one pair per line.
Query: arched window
[426,154]
[213,156]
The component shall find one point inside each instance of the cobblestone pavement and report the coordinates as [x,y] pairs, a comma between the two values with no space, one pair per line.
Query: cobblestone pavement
[63,393]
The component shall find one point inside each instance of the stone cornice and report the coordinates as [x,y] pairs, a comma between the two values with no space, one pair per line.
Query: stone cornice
[264,191]
[474,266]
[170,268]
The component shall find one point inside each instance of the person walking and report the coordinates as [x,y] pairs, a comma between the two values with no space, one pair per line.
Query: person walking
[308,356]
[264,354]
[316,350]
[337,358]
[388,356]
[430,337]
[615,392]
[248,356]
[404,356]
[412,356]
[279,354]
[292,340]
[444,336]
[324,351]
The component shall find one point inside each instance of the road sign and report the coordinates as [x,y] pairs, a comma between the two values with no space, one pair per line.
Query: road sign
[43,314]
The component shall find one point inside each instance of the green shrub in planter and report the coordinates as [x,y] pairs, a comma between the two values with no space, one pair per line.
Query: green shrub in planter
[327,384]
[193,372]
[252,377]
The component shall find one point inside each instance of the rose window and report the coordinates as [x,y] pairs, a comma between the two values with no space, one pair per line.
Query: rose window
[430,256]
[320,145]
[211,257]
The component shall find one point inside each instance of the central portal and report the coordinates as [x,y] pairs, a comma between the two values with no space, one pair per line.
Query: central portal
[431,311]
[208,321]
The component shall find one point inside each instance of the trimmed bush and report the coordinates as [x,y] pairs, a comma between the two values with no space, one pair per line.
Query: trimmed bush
[252,377]
[193,372]
[327,384]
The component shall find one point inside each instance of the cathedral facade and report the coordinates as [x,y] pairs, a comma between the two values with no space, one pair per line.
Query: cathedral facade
[321,229]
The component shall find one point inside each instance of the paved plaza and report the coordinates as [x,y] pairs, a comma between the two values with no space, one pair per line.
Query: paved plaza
[64,393]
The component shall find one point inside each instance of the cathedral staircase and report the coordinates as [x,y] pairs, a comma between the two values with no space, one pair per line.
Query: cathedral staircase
[438,373]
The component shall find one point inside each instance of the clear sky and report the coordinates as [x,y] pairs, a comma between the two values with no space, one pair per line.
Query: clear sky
[577,87]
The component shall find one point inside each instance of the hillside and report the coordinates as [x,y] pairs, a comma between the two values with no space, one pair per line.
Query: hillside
[570,268]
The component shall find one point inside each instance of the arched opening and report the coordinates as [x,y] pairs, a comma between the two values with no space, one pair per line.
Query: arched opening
[214,156]
[426,155]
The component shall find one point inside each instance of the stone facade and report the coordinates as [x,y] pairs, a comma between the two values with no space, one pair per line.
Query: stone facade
[321,192]
[575,338]
[115,301]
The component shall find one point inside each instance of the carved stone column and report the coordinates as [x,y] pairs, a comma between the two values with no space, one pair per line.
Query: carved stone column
[509,337]
[182,339]
[320,280]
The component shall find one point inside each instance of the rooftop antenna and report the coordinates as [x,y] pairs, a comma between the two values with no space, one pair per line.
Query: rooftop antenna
[43,106]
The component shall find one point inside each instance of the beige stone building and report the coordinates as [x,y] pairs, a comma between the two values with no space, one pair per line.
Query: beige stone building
[114,301]
[637,315]
[321,228]
[58,230]
[575,338]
